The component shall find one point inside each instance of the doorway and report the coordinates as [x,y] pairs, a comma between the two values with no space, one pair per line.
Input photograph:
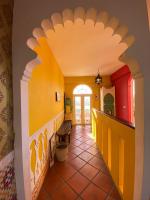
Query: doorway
[82,104]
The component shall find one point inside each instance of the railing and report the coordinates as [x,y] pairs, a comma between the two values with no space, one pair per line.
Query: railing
[116,142]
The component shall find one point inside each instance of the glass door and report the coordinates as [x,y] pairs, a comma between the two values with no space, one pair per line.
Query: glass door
[77,109]
[87,109]
[82,109]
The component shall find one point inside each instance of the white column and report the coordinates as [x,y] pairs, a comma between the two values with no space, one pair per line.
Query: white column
[139,135]
[23,180]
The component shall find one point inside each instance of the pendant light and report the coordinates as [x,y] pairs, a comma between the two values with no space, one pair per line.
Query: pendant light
[98,79]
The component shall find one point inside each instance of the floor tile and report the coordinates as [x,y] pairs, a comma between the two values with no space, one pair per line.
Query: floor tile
[92,192]
[86,156]
[64,193]
[78,182]
[99,155]
[110,198]
[93,150]
[59,165]
[72,139]
[94,145]
[77,163]
[115,194]
[83,139]
[76,142]
[104,182]
[71,146]
[71,156]
[90,142]
[84,146]
[66,171]
[98,163]
[77,151]
[88,171]
[76,137]
[52,182]
[43,195]
[87,135]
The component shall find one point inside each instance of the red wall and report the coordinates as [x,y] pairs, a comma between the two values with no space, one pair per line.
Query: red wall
[122,80]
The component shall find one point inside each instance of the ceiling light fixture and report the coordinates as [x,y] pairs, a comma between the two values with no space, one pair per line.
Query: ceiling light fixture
[98,79]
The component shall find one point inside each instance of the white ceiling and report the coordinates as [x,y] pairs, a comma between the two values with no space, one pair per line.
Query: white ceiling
[82,48]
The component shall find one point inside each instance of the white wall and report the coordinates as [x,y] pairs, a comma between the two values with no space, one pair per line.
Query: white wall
[29,13]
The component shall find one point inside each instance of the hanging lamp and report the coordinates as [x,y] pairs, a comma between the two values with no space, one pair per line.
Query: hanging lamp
[98,79]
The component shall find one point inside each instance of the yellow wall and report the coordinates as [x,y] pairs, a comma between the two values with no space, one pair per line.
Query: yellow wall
[72,82]
[116,142]
[46,80]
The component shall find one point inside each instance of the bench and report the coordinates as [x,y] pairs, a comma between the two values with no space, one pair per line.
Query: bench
[64,131]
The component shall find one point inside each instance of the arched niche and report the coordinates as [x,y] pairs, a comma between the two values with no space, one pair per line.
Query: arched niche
[109,104]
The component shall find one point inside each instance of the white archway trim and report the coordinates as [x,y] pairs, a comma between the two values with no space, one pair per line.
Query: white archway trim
[25,125]
[29,68]
[139,135]
[139,123]
[38,32]
[94,20]
[80,15]
[82,89]
[46,24]
[32,43]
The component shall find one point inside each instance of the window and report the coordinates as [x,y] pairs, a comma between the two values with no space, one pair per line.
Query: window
[82,89]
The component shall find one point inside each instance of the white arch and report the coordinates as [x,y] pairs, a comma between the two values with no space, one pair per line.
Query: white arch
[82,89]
[81,16]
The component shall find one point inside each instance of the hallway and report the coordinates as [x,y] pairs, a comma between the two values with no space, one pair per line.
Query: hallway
[84,61]
[83,175]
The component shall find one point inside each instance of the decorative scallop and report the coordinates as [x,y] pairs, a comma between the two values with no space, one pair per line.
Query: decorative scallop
[121,31]
[46,25]
[31,64]
[38,32]
[129,40]
[113,23]
[91,15]
[103,22]
[32,43]
[103,18]
[29,68]
[79,14]
[68,15]
[57,19]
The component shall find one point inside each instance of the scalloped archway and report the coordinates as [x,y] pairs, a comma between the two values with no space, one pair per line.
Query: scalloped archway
[81,41]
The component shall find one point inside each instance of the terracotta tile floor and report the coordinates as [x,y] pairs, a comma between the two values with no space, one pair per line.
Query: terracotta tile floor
[83,175]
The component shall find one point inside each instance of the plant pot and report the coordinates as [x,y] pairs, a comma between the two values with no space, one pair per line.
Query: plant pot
[61,152]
